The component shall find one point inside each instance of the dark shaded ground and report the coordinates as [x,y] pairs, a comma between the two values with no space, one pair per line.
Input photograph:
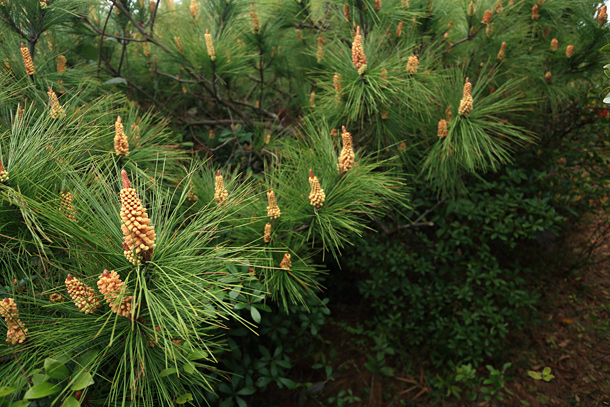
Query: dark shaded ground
[573,339]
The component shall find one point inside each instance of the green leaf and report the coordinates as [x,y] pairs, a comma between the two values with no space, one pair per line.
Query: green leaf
[5,391]
[534,375]
[81,381]
[168,371]
[256,316]
[198,354]
[39,378]
[241,402]
[605,48]
[189,368]
[41,390]
[70,402]
[88,357]
[246,391]
[184,398]
[21,403]
[546,371]
[387,370]
[55,369]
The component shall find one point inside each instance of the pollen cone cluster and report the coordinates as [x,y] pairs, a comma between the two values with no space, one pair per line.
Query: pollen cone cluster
[399,29]
[442,129]
[3,174]
[502,52]
[535,13]
[554,44]
[346,12]
[115,293]
[412,64]
[273,211]
[358,57]
[346,158]
[471,9]
[320,52]
[467,103]
[16,330]
[61,64]
[548,77]
[256,23]
[194,8]
[267,233]
[602,15]
[486,17]
[337,85]
[138,235]
[570,51]
[286,264]
[178,43]
[56,109]
[209,45]
[121,144]
[65,205]
[83,296]
[377,5]
[316,196]
[220,193]
[498,6]
[27,60]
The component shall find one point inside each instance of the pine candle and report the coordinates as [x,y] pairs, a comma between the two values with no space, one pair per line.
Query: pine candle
[121,144]
[83,296]
[138,235]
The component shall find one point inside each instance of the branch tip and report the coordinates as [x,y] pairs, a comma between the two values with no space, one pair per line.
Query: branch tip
[125,178]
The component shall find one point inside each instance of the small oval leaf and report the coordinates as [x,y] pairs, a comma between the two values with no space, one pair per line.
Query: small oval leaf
[70,402]
[198,354]
[168,371]
[256,316]
[184,398]
[189,368]
[81,381]
[41,390]
[5,391]
[55,369]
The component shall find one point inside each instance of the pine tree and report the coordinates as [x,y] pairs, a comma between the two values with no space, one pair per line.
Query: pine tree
[253,136]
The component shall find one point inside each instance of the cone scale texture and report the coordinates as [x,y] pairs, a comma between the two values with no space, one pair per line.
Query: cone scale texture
[273,211]
[358,57]
[412,64]
[121,144]
[209,45]
[138,235]
[467,103]
[220,192]
[83,296]
[65,205]
[346,158]
[115,293]
[3,174]
[56,109]
[267,233]
[16,331]
[286,264]
[27,60]
[316,196]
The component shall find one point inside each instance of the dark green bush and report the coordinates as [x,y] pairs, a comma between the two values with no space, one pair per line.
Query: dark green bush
[456,285]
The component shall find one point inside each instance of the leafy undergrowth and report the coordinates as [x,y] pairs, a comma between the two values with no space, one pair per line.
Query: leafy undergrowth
[572,338]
